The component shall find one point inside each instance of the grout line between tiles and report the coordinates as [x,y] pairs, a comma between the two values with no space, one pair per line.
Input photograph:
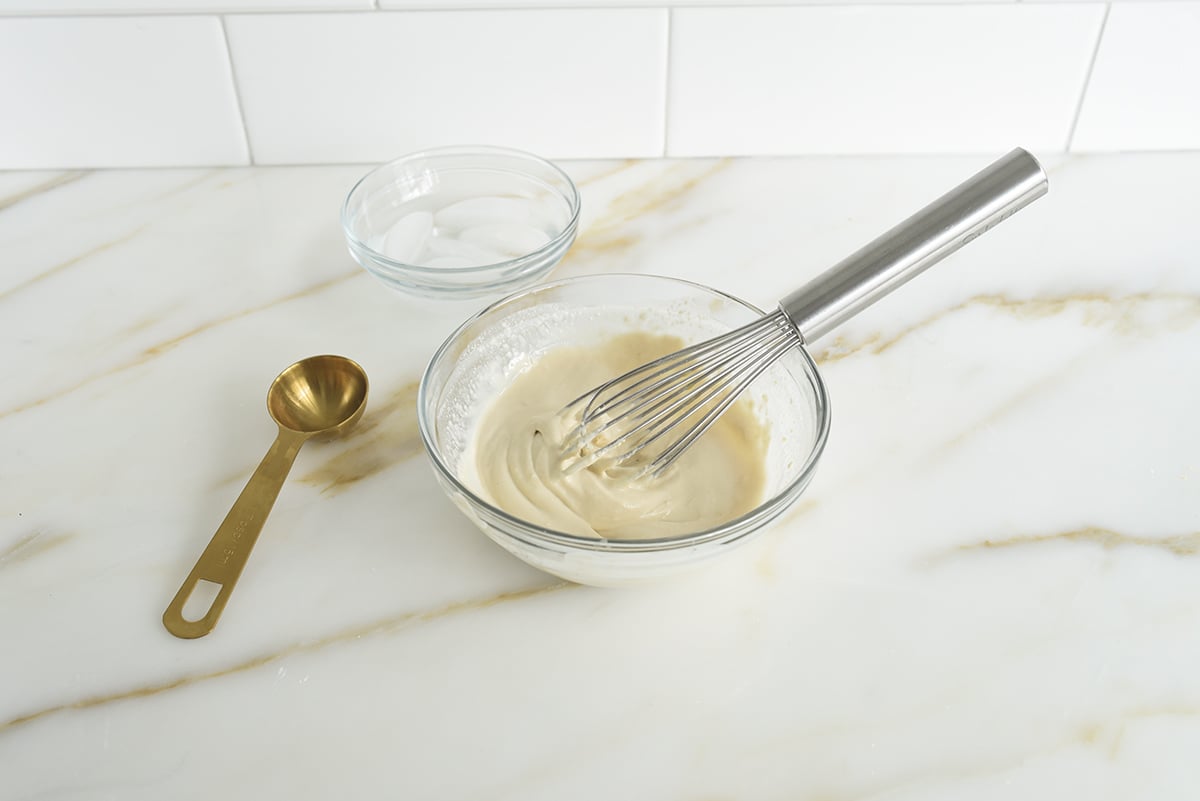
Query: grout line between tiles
[666,114]
[237,91]
[359,164]
[1087,78]
[376,6]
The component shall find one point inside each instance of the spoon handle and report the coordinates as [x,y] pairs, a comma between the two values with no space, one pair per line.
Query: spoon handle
[226,554]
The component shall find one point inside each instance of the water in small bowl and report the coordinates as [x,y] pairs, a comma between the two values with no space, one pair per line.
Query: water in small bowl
[461,221]
[453,225]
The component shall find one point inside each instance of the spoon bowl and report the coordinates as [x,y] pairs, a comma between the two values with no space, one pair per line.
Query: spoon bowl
[320,396]
[316,398]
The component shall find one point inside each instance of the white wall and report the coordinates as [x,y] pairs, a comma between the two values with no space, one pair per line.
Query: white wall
[99,83]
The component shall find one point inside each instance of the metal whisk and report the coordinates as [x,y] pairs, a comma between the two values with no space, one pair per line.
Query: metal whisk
[643,420]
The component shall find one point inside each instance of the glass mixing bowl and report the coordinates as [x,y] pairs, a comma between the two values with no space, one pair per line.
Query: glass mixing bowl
[461,221]
[498,343]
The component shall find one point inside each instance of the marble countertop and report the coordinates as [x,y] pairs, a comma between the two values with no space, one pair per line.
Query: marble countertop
[991,589]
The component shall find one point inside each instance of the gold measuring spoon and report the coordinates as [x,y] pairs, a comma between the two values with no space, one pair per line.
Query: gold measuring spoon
[318,397]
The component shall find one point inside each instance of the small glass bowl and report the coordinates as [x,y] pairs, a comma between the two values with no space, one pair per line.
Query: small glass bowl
[461,221]
[496,345]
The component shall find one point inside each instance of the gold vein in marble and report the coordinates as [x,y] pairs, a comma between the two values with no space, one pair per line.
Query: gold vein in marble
[67,178]
[774,537]
[148,321]
[61,179]
[1006,406]
[664,192]
[920,773]
[33,544]
[603,174]
[1179,544]
[169,344]
[1111,309]
[71,262]
[607,235]
[394,437]
[1093,734]
[142,201]
[1116,310]
[1088,736]
[179,189]
[380,627]
[187,185]
[162,347]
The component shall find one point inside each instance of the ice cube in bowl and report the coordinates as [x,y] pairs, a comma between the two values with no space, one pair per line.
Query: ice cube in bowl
[461,221]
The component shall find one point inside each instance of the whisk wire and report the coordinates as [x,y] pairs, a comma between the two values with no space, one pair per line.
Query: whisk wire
[673,400]
[665,459]
[638,409]
[651,399]
[600,403]
[668,366]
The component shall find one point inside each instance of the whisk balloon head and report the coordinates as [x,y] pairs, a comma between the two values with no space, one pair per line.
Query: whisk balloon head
[640,422]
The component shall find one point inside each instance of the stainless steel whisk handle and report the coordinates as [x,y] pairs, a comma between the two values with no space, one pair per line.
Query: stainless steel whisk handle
[956,218]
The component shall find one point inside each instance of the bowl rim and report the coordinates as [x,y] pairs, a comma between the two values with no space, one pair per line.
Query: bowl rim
[741,525]
[562,238]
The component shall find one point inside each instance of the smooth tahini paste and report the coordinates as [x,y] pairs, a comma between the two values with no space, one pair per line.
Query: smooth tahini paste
[516,454]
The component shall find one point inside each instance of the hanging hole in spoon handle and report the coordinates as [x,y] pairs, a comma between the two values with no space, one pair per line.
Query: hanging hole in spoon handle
[933,233]
[227,552]
[321,397]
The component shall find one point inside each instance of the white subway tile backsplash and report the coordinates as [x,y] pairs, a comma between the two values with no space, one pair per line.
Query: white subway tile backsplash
[369,87]
[444,4]
[41,7]
[117,92]
[149,82]
[44,7]
[1145,87]
[877,79]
